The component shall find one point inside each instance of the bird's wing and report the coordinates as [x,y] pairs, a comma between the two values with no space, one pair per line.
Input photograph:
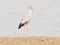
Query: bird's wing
[24,20]
[20,25]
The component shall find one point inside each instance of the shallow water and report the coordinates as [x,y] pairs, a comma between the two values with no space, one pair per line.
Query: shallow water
[45,20]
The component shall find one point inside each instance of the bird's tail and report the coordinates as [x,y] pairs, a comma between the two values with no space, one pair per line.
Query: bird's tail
[20,25]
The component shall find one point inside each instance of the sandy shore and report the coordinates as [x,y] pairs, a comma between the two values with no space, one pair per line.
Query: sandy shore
[30,41]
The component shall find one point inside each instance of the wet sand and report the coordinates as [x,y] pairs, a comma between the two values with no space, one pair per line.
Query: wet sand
[30,41]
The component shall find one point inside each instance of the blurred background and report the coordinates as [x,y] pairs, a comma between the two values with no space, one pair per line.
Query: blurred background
[45,19]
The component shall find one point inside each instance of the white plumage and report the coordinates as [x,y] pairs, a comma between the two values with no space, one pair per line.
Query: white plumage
[26,19]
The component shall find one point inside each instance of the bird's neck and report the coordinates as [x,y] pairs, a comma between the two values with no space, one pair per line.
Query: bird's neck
[30,14]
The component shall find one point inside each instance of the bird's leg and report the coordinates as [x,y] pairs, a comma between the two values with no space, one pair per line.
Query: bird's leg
[26,29]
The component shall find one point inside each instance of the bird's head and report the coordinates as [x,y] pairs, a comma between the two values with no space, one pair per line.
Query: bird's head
[30,8]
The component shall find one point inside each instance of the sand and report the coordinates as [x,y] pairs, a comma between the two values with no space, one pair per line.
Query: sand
[30,41]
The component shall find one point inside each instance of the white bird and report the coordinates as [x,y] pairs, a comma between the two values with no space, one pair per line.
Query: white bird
[26,19]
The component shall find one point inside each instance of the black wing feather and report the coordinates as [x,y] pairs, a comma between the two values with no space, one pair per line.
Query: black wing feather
[20,25]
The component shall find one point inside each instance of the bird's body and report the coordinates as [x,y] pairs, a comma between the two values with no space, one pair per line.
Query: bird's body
[26,19]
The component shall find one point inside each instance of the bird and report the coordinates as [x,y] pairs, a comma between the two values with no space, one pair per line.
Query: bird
[26,20]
